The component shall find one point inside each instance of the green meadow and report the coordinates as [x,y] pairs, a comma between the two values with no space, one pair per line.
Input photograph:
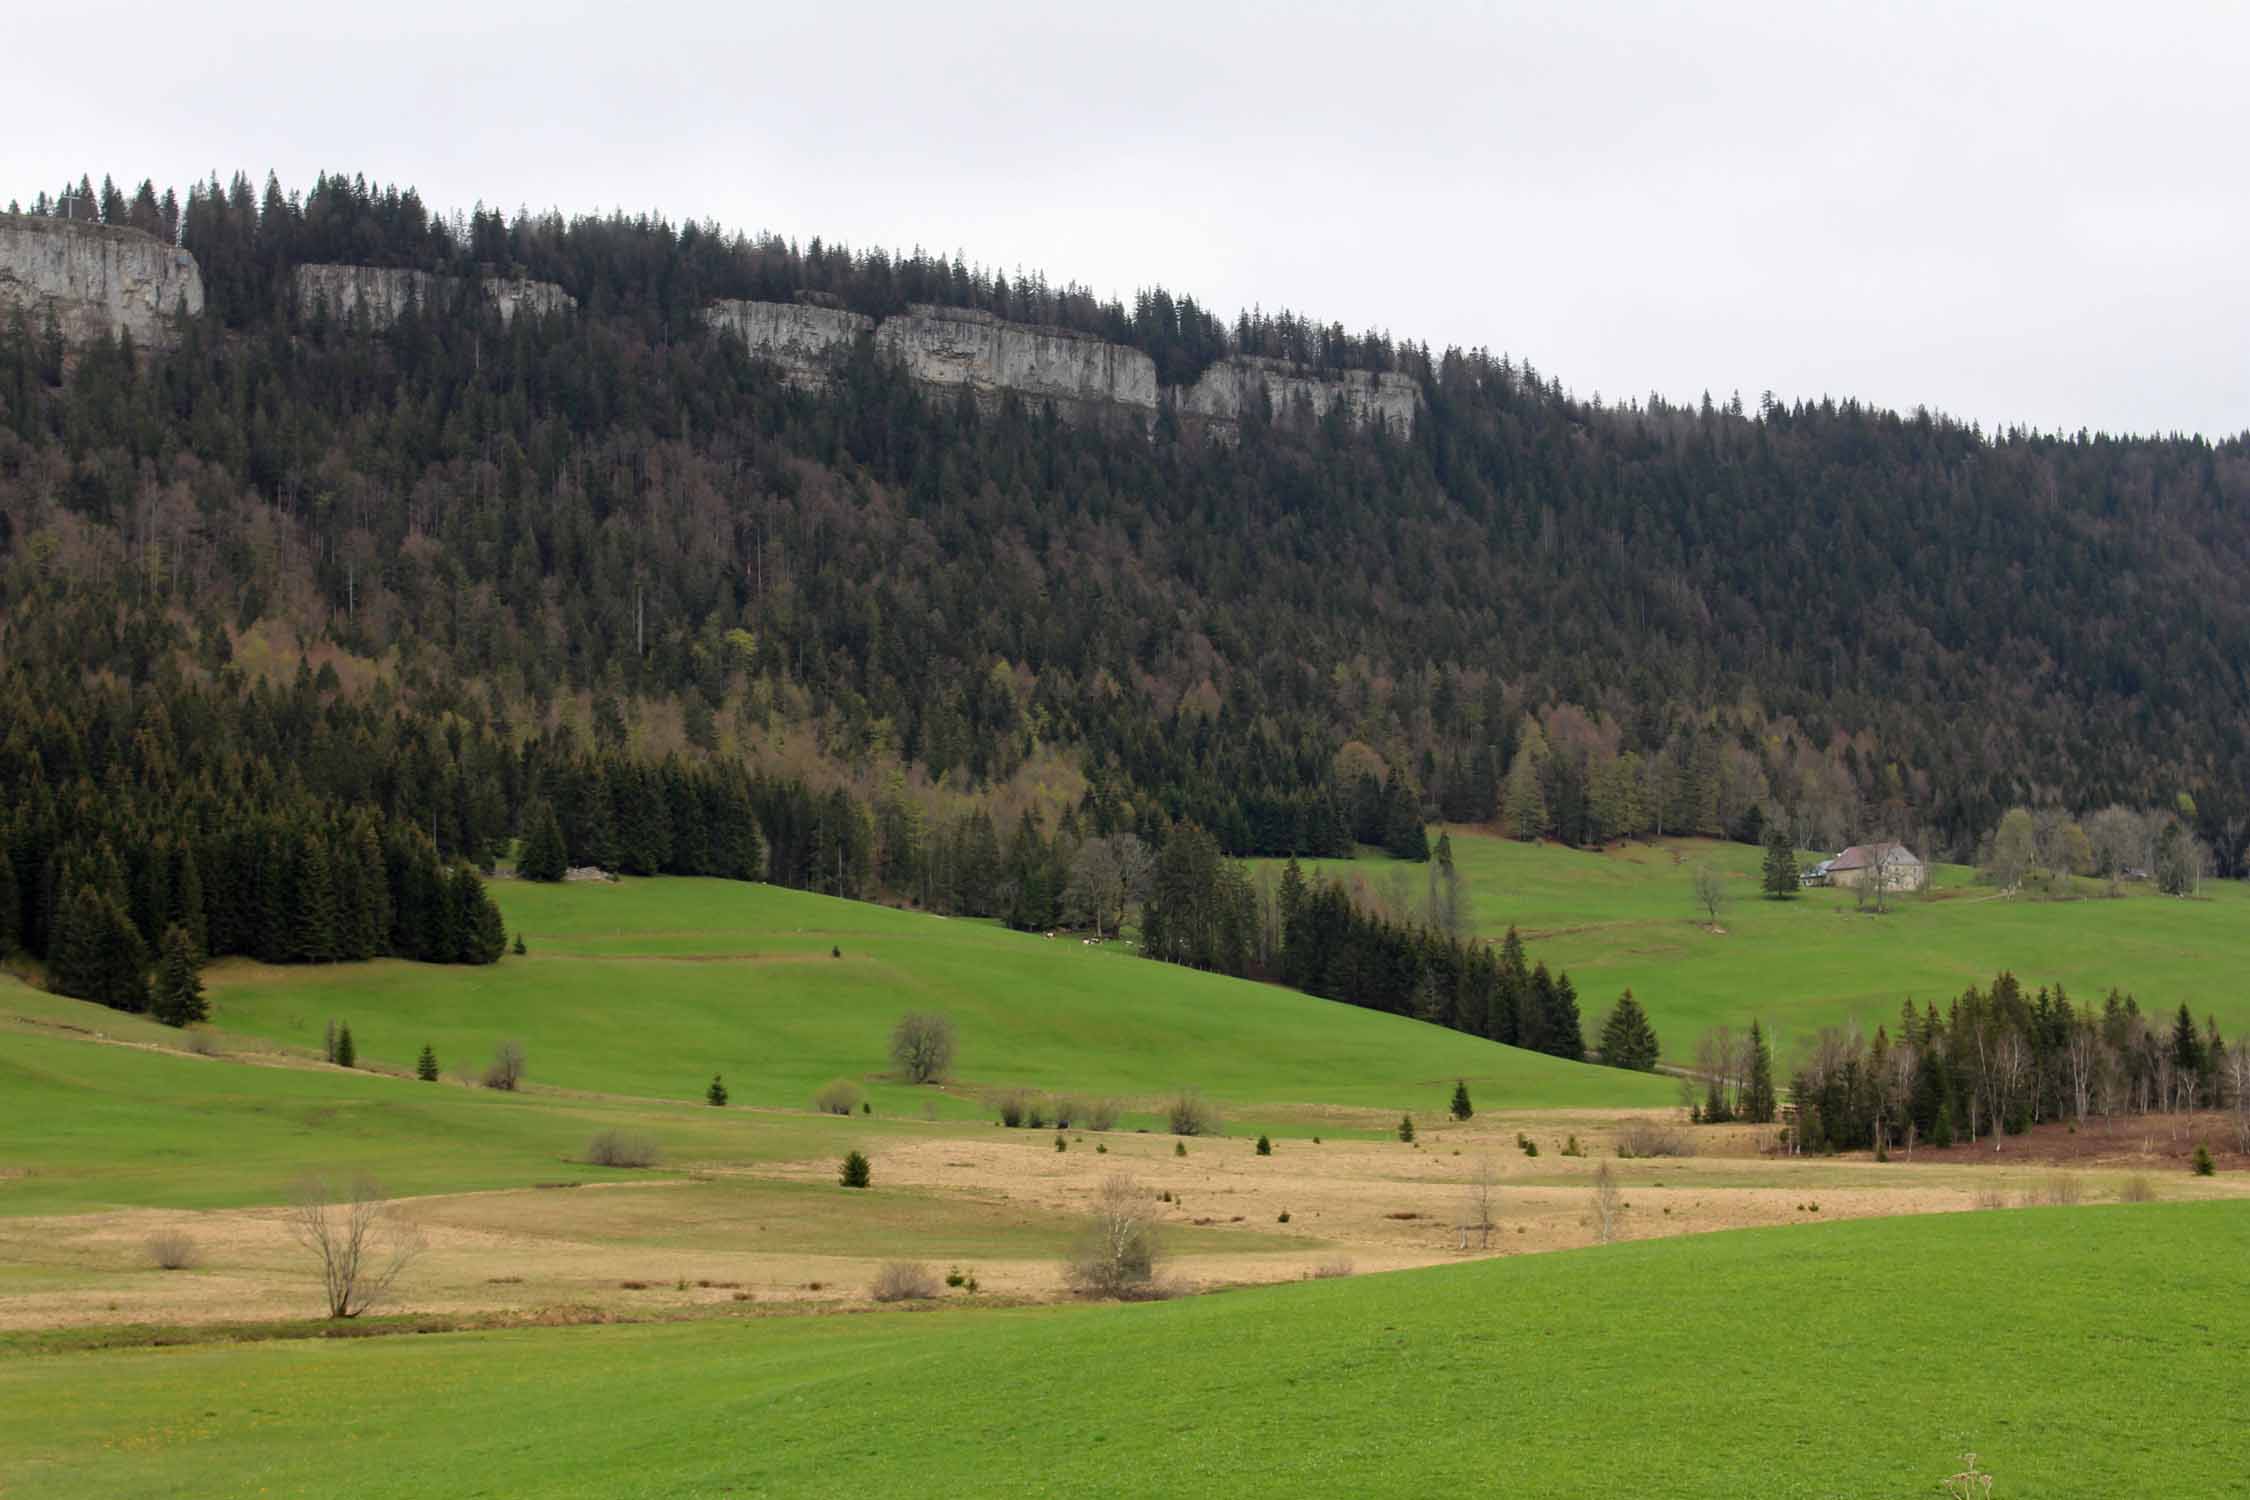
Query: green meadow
[648,987]
[1851,1360]
[1625,919]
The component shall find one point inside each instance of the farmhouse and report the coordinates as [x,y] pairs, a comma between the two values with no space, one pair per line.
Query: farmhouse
[1900,868]
[1813,875]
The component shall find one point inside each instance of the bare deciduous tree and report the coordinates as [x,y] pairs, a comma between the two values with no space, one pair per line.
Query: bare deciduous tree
[922,1046]
[1479,1220]
[506,1069]
[1120,1252]
[1710,891]
[1609,1204]
[360,1241]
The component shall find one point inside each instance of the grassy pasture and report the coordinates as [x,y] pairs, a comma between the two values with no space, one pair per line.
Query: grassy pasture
[650,987]
[1625,919]
[1850,1360]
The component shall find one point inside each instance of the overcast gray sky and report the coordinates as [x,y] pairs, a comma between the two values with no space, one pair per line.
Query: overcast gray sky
[2029,213]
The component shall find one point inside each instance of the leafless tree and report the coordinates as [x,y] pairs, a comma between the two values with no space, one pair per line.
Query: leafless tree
[361,1243]
[922,1046]
[1710,891]
[1096,890]
[1609,1204]
[1479,1221]
[2082,1055]
[506,1069]
[1120,1252]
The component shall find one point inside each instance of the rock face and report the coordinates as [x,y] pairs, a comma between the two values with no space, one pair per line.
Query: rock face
[805,342]
[97,279]
[380,292]
[1227,390]
[1088,379]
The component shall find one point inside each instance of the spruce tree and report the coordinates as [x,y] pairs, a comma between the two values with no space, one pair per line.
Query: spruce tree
[1406,1128]
[1461,1109]
[347,1051]
[1758,1103]
[1628,1040]
[426,1066]
[1781,880]
[716,1094]
[543,856]
[856,1172]
[177,997]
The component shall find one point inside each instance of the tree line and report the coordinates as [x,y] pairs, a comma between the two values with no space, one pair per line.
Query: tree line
[1997,1061]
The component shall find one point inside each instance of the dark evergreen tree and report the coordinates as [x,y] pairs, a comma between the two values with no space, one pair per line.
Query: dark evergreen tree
[1781,880]
[346,1050]
[544,855]
[1461,1109]
[716,1094]
[1628,1039]
[176,998]
[426,1064]
[1759,1106]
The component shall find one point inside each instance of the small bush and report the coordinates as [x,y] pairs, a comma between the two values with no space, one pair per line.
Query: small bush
[1100,1149]
[173,1251]
[2204,1166]
[1035,1113]
[2062,1188]
[1188,1113]
[838,1096]
[201,1043]
[716,1094]
[1179,1148]
[1066,1109]
[620,1148]
[1572,1148]
[856,1173]
[1330,1269]
[521,950]
[2137,1189]
[1991,1197]
[1406,1128]
[1012,1105]
[956,1278]
[835,952]
[904,1281]
[1062,1142]
[1530,1147]
[1265,1146]
[1284,1217]
[866,1107]
[1638,1138]
[505,1071]
[1099,1114]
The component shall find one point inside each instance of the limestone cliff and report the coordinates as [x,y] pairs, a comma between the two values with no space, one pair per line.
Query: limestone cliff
[1087,378]
[96,279]
[1232,386]
[380,293]
[1084,376]
[804,342]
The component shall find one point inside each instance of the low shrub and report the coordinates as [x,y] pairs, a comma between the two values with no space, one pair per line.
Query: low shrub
[2137,1189]
[1014,1106]
[1062,1142]
[904,1281]
[1991,1197]
[1572,1148]
[1330,1269]
[838,1096]
[1189,1113]
[1283,1218]
[201,1043]
[2063,1188]
[172,1251]
[505,1071]
[1530,1146]
[1638,1138]
[1067,1108]
[1099,1114]
[621,1148]
[1179,1148]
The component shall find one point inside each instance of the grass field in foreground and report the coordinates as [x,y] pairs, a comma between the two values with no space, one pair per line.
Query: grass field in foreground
[1855,1360]
[649,987]
[1625,918]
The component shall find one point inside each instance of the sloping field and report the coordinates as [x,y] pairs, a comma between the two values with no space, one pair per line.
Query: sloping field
[1625,918]
[1854,1360]
[649,987]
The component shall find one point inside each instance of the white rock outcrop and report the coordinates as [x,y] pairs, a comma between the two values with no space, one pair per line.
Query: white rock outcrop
[1231,387]
[804,342]
[951,347]
[380,293]
[1087,378]
[95,278]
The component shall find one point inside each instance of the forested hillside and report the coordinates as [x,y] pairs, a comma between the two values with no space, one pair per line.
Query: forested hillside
[451,571]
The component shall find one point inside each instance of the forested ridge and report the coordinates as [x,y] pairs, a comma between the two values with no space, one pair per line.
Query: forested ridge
[506,561]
